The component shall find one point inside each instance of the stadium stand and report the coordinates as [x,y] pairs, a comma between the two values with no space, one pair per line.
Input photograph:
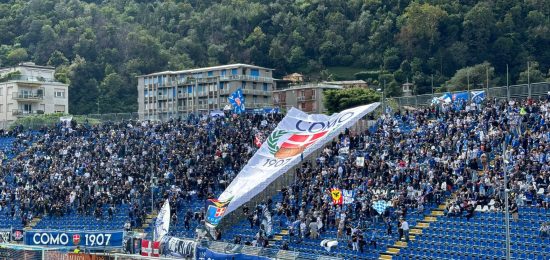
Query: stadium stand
[420,160]
[438,170]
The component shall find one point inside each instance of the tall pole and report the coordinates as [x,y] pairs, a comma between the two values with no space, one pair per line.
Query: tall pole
[152,196]
[507,84]
[487,79]
[384,98]
[529,78]
[507,212]
[432,85]
[468,81]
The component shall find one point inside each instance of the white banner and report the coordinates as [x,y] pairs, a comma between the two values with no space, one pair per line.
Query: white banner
[298,133]
[163,221]
[360,161]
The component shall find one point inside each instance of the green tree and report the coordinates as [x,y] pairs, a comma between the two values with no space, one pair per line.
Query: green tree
[17,55]
[533,74]
[340,99]
[475,75]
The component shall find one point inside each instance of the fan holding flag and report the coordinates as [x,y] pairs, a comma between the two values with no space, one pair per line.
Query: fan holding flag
[237,101]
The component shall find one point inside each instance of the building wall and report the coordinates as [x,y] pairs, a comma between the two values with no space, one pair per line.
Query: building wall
[33,92]
[308,98]
[168,92]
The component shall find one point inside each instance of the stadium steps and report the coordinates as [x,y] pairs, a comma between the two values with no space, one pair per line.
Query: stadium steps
[33,222]
[415,231]
[279,236]
[149,219]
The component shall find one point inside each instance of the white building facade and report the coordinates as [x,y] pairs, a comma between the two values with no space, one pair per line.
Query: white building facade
[29,89]
[199,91]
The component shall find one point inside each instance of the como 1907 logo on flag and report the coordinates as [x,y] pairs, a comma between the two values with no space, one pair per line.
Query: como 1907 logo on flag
[293,145]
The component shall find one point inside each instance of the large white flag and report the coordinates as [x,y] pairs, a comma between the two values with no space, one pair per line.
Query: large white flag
[163,221]
[296,135]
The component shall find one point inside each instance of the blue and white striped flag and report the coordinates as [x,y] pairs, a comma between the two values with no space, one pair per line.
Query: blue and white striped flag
[381,205]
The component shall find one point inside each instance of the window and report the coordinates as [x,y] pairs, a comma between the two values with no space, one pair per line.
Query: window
[254,73]
[223,73]
[221,85]
[243,84]
[253,85]
[145,81]
[59,93]
[146,93]
[265,86]
[59,109]
[234,72]
[210,74]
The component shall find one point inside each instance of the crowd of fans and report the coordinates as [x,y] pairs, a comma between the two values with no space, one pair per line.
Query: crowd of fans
[79,168]
[415,159]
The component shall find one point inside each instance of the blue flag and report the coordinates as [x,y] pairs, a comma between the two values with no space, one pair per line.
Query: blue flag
[236,99]
[478,96]
[460,96]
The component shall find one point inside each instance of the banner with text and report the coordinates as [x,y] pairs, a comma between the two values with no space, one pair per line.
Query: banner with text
[74,238]
[5,235]
[177,247]
[296,136]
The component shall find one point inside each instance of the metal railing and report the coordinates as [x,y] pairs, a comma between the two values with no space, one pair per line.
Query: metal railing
[19,112]
[534,90]
[27,78]
[271,253]
[246,77]
[28,95]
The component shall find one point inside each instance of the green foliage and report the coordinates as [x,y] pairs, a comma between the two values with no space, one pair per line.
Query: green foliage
[475,76]
[343,73]
[17,55]
[533,74]
[99,47]
[337,100]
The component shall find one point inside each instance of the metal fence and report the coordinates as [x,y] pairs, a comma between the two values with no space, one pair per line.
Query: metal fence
[533,90]
[271,253]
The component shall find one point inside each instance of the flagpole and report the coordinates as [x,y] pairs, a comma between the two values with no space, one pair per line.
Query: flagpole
[507,212]
[152,198]
[507,84]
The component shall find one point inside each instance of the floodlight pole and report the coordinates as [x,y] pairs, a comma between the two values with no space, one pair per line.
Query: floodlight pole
[384,98]
[507,84]
[506,207]
[432,85]
[152,198]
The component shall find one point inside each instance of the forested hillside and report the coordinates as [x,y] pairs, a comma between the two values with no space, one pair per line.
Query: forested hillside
[100,47]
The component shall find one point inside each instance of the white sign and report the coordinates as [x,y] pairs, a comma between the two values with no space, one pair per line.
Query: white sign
[296,135]
[360,161]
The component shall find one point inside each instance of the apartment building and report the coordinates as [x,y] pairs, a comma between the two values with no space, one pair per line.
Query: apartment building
[308,97]
[199,91]
[30,89]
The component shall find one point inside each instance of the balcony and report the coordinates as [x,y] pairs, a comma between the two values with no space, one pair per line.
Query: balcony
[26,79]
[247,78]
[24,113]
[28,96]
[306,98]
[257,92]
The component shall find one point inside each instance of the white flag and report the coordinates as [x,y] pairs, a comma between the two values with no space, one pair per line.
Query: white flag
[163,221]
[296,136]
